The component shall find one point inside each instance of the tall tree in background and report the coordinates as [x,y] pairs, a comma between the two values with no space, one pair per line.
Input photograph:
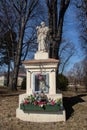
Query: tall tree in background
[82,17]
[66,51]
[8,50]
[78,74]
[85,72]
[56,12]
[17,15]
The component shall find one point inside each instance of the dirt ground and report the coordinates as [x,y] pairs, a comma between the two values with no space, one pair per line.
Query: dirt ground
[75,105]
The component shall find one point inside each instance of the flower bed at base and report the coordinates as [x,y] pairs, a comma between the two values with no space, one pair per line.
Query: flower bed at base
[40,102]
[47,108]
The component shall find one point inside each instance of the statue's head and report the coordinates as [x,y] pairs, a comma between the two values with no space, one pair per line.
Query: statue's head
[42,24]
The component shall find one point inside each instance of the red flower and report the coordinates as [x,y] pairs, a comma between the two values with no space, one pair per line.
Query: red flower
[26,102]
[41,103]
[52,102]
[35,103]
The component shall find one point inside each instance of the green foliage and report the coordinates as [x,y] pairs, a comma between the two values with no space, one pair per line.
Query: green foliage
[23,85]
[62,82]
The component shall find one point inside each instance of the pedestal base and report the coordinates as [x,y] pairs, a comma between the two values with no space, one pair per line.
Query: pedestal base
[40,117]
[41,55]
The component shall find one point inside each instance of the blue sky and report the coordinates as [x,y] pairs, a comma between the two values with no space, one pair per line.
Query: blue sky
[71,32]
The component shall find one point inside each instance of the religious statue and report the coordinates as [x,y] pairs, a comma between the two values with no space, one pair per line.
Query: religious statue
[41,82]
[42,37]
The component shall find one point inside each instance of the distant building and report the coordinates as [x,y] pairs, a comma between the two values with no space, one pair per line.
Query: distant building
[3,78]
[21,76]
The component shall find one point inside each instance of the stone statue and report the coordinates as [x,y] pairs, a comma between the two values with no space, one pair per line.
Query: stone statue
[42,37]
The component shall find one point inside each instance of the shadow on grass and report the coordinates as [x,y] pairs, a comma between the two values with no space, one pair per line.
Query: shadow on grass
[8,92]
[69,102]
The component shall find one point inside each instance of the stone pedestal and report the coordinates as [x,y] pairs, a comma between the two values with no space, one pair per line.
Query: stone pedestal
[41,55]
[46,67]
[40,117]
[34,116]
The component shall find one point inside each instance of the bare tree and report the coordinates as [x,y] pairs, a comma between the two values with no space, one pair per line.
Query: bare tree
[82,17]
[78,74]
[66,51]
[7,51]
[82,20]
[85,72]
[18,15]
[56,12]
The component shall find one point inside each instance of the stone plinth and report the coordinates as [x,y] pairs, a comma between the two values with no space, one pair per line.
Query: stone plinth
[34,116]
[41,55]
[40,117]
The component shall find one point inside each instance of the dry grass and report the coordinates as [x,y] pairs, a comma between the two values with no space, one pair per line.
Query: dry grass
[75,105]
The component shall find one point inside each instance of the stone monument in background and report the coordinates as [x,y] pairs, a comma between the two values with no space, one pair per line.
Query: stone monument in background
[41,76]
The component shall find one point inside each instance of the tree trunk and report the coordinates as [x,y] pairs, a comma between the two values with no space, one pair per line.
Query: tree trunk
[56,27]
[18,56]
[56,24]
[52,10]
[8,75]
